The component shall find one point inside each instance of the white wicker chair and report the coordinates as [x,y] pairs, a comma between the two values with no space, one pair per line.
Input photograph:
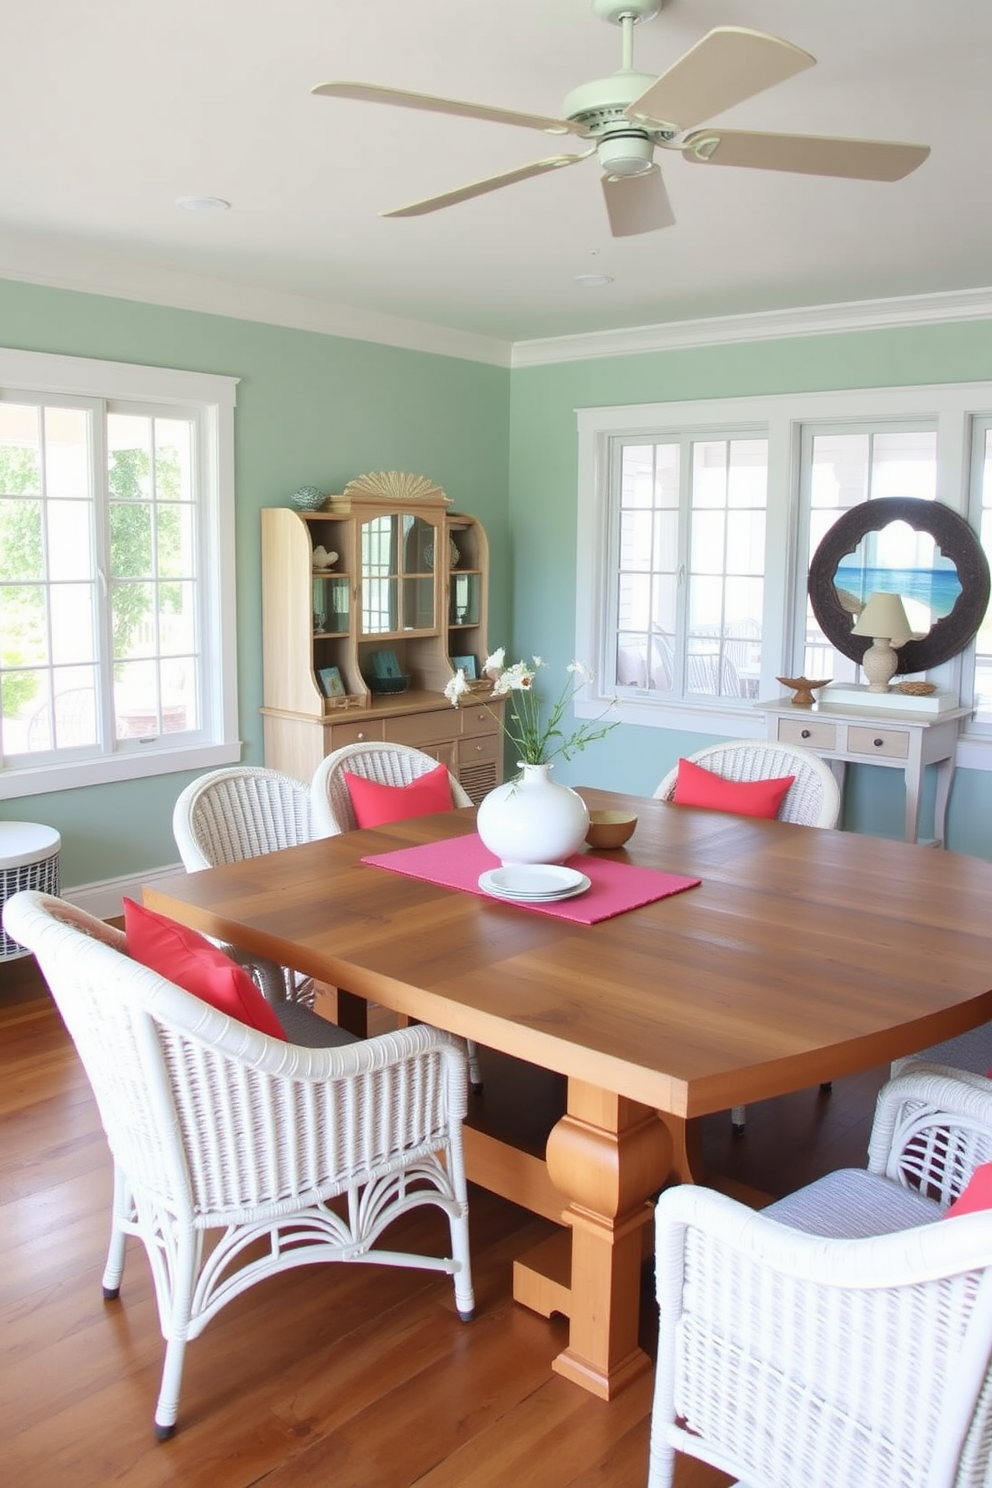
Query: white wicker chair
[813,799]
[389,764]
[215,1127]
[242,812]
[858,1360]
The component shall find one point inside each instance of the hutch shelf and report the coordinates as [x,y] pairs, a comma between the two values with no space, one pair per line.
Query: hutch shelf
[362,648]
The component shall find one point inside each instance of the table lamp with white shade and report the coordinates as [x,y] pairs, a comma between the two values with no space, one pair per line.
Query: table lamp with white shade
[884,619]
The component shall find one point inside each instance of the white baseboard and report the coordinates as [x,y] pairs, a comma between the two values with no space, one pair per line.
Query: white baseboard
[103,899]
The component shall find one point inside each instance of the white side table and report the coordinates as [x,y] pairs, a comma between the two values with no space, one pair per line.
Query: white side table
[29,859]
[901,740]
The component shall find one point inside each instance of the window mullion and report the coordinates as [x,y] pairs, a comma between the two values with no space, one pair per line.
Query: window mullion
[103,590]
[683,569]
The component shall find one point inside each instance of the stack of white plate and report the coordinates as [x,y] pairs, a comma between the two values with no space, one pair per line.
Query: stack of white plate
[533,883]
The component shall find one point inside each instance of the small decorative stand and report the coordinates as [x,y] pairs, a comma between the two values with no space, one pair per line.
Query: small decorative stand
[804,689]
[29,859]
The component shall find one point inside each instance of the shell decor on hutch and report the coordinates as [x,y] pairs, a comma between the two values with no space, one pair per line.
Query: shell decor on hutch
[409,589]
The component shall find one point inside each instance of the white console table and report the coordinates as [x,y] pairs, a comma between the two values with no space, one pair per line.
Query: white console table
[906,741]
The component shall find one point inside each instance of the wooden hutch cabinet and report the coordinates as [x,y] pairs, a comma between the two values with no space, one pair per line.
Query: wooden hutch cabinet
[408,590]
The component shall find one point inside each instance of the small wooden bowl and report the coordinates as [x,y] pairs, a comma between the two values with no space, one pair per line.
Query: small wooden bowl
[610,828]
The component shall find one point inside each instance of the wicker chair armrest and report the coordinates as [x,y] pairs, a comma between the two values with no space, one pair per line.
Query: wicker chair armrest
[271,1056]
[907,1258]
[22,907]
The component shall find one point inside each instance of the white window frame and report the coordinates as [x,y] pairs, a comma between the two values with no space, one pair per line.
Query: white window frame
[213,398]
[954,407]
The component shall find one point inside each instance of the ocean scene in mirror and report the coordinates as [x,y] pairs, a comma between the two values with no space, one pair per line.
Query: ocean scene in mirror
[937,588]
[898,559]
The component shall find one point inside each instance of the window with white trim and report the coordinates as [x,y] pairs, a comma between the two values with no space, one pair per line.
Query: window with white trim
[697,522]
[687,588]
[981,693]
[116,572]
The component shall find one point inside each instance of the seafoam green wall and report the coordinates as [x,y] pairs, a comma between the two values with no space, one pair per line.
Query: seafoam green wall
[311,410]
[543,481]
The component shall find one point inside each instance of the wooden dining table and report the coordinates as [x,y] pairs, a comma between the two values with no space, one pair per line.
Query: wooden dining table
[802,955]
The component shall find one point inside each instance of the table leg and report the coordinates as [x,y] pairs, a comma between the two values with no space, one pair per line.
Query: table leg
[912,823]
[343,1008]
[609,1156]
[945,775]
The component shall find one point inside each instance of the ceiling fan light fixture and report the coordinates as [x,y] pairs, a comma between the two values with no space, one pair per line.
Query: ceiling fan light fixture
[626,154]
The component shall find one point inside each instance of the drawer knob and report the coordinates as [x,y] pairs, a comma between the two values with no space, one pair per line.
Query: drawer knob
[361,738]
[806,734]
[878,743]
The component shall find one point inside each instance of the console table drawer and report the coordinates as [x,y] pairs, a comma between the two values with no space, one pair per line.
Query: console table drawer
[808,732]
[893,743]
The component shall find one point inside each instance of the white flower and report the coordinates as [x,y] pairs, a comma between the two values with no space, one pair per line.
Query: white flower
[456,687]
[538,740]
[516,678]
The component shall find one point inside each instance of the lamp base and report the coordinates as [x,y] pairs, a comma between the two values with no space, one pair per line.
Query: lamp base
[879,663]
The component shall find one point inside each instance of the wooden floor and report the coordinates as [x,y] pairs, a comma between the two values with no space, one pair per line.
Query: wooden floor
[330,1377]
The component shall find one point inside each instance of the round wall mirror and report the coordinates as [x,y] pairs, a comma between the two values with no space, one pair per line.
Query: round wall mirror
[955,547]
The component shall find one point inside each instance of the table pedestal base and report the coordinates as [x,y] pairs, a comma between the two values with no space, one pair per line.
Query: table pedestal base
[609,1156]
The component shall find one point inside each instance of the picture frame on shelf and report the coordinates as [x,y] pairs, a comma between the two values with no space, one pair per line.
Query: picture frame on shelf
[384,664]
[465,664]
[331,682]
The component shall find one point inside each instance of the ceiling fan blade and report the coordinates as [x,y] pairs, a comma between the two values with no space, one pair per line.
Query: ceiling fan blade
[371,93]
[806,154]
[729,64]
[493,183]
[637,204]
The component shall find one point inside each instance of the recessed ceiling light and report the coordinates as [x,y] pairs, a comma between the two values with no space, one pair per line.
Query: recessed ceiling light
[202,203]
[593,281]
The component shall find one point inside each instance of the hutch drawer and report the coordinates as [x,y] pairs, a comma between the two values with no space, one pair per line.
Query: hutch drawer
[363,732]
[423,728]
[476,720]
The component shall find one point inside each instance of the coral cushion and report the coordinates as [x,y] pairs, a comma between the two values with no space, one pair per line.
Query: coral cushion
[193,963]
[698,787]
[977,1194]
[374,804]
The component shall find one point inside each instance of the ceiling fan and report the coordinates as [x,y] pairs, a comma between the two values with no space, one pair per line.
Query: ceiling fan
[629,114]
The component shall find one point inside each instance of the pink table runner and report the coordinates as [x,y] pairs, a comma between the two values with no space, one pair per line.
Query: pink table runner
[457,862]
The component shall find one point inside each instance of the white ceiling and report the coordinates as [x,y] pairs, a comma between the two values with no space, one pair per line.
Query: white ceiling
[110,111]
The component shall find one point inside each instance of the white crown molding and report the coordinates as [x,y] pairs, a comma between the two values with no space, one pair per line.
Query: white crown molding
[91,271]
[770,325]
[56,265]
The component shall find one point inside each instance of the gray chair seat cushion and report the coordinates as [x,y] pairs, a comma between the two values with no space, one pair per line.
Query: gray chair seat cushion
[852,1205]
[303,1026]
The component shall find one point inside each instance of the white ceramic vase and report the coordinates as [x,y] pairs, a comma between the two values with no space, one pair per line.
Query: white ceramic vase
[532,819]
